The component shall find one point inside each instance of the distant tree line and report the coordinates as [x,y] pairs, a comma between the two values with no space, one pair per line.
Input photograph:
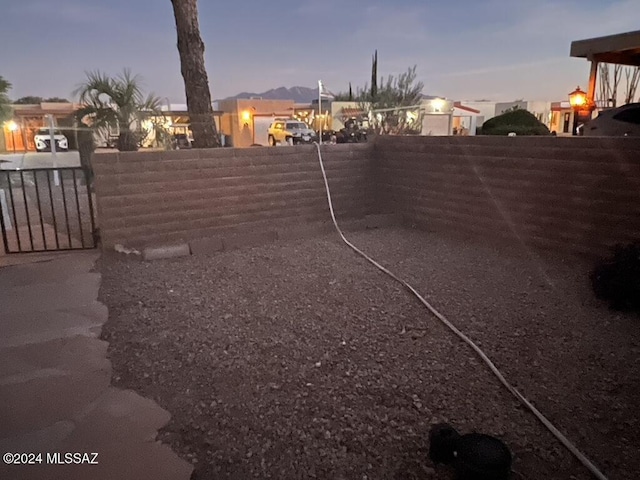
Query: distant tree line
[31,100]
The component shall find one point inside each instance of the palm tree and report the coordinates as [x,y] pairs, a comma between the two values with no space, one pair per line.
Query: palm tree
[196,82]
[5,103]
[117,102]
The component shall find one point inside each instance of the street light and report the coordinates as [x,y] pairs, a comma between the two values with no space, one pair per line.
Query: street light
[580,104]
[13,126]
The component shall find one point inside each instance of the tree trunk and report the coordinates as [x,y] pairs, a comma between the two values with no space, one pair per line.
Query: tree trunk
[196,82]
[127,139]
[86,147]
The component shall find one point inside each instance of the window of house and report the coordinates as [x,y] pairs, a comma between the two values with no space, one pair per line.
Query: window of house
[567,121]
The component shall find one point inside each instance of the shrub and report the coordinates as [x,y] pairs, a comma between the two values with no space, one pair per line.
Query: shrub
[617,280]
[522,122]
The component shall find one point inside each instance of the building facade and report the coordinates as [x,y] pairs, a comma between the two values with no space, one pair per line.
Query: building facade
[18,133]
[245,122]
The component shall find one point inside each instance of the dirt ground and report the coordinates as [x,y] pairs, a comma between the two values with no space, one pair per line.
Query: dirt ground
[300,360]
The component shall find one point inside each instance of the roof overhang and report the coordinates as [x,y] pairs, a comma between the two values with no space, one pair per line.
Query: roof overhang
[621,49]
[459,106]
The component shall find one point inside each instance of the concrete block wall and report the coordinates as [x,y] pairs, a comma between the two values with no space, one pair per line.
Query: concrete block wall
[154,198]
[579,195]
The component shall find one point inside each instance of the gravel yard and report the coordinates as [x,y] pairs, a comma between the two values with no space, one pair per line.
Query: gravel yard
[301,360]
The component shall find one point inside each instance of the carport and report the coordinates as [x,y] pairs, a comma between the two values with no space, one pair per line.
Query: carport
[620,49]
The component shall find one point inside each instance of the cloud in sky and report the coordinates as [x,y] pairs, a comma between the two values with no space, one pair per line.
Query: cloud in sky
[466,49]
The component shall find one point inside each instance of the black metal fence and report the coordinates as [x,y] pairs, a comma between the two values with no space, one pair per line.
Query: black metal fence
[46,209]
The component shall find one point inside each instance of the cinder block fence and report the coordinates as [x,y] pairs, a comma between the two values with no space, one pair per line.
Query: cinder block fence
[579,195]
[569,194]
[162,197]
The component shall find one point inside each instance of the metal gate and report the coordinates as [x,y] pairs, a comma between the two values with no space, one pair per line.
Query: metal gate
[46,209]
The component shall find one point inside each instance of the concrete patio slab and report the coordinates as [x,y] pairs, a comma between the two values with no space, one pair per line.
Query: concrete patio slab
[37,327]
[55,381]
[57,268]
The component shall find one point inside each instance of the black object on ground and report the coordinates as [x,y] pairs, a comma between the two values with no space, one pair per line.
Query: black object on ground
[474,456]
[617,279]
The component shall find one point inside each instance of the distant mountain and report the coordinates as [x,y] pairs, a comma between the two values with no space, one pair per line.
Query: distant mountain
[297,94]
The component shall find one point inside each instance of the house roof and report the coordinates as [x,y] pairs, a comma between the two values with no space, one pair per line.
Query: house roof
[462,107]
[350,112]
[39,109]
[431,97]
[621,49]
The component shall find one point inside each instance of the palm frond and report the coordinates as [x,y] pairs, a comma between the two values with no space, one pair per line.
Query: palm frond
[115,101]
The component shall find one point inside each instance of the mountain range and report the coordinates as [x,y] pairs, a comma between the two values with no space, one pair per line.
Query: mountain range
[297,94]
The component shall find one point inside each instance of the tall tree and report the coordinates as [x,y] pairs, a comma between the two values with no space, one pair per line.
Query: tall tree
[347,96]
[111,102]
[5,103]
[632,75]
[396,107]
[196,81]
[374,77]
[609,82]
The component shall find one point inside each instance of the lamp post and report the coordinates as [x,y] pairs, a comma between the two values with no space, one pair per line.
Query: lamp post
[579,103]
[13,126]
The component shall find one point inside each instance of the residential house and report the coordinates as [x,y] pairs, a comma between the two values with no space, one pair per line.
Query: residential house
[437,116]
[465,119]
[174,120]
[27,119]
[245,122]
[487,109]
[561,119]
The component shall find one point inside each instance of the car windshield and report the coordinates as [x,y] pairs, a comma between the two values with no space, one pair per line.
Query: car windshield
[296,126]
[45,131]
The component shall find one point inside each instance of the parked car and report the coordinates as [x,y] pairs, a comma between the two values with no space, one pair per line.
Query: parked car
[623,121]
[42,140]
[290,131]
[353,132]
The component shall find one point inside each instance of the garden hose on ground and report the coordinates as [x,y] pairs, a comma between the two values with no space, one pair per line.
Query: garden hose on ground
[579,455]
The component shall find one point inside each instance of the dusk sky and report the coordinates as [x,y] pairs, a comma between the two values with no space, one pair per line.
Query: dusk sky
[491,49]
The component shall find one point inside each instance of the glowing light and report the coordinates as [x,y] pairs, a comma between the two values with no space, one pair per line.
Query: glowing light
[12,126]
[438,104]
[578,98]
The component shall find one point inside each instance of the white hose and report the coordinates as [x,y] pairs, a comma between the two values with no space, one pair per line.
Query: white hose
[579,455]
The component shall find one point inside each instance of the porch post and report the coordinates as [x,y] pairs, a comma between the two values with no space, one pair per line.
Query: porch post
[593,75]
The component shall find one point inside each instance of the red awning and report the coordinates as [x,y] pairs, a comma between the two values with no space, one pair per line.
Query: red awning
[463,107]
[350,112]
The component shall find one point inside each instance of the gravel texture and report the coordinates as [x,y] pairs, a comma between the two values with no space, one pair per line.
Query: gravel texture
[301,360]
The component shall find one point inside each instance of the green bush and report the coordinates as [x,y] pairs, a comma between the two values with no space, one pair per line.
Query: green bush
[521,122]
